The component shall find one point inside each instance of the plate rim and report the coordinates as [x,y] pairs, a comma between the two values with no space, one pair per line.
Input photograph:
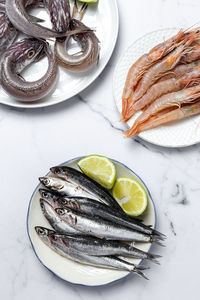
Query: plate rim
[115,98]
[45,103]
[34,250]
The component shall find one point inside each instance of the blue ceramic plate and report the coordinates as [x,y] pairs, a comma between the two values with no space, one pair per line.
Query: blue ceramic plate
[69,270]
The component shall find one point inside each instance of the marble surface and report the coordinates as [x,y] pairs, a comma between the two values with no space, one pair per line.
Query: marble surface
[33,140]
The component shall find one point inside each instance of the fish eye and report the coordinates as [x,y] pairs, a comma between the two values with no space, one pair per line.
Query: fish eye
[31,53]
[54,237]
[41,231]
[61,211]
[63,201]
[11,28]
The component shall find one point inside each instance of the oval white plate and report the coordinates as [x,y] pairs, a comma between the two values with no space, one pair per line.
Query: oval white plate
[101,17]
[180,134]
[67,269]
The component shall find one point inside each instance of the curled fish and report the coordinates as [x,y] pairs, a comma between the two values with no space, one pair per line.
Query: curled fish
[88,42]
[28,24]
[16,59]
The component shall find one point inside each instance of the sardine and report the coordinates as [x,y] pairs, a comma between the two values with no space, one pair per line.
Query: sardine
[19,17]
[98,247]
[55,221]
[64,188]
[95,208]
[16,58]
[57,244]
[101,228]
[93,188]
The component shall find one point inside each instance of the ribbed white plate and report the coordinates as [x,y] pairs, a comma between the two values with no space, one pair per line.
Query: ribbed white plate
[179,134]
[101,16]
[69,270]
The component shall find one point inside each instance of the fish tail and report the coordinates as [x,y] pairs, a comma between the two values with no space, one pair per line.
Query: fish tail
[152,257]
[140,273]
[158,233]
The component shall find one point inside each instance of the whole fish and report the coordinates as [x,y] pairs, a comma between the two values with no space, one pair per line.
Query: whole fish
[98,247]
[55,221]
[102,228]
[79,179]
[19,17]
[57,245]
[88,42]
[16,59]
[8,32]
[63,187]
[95,208]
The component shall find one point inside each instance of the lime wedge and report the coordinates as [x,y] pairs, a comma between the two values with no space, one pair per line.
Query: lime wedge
[130,195]
[99,168]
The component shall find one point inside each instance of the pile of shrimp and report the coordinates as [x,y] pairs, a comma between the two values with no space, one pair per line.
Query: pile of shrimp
[164,84]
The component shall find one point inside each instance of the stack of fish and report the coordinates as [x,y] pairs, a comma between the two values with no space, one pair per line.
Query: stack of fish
[14,19]
[89,225]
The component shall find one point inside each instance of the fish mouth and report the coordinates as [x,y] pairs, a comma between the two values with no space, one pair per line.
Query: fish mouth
[44,180]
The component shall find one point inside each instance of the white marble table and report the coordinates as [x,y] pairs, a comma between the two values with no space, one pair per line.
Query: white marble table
[33,140]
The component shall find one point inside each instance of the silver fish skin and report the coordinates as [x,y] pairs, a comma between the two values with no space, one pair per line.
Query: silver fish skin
[95,208]
[98,247]
[64,188]
[77,178]
[16,59]
[55,221]
[19,17]
[89,54]
[111,262]
[7,31]
[101,228]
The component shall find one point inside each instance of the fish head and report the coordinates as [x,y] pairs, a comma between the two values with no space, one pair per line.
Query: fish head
[26,51]
[44,233]
[62,172]
[50,197]
[52,183]
[61,211]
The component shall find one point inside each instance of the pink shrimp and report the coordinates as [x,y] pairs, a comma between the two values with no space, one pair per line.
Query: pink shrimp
[165,87]
[166,101]
[193,55]
[174,115]
[157,71]
[179,70]
[144,63]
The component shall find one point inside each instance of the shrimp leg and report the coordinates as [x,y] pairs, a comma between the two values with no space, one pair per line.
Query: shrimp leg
[177,114]
[169,100]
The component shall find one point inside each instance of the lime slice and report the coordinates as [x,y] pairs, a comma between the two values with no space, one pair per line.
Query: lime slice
[130,195]
[88,1]
[99,168]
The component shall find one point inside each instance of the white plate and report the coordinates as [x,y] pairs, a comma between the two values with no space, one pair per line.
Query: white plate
[179,134]
[103,17]
[67,269]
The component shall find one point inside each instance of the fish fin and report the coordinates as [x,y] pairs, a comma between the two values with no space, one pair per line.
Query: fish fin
[158,233]
[77,31]
[34,19]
